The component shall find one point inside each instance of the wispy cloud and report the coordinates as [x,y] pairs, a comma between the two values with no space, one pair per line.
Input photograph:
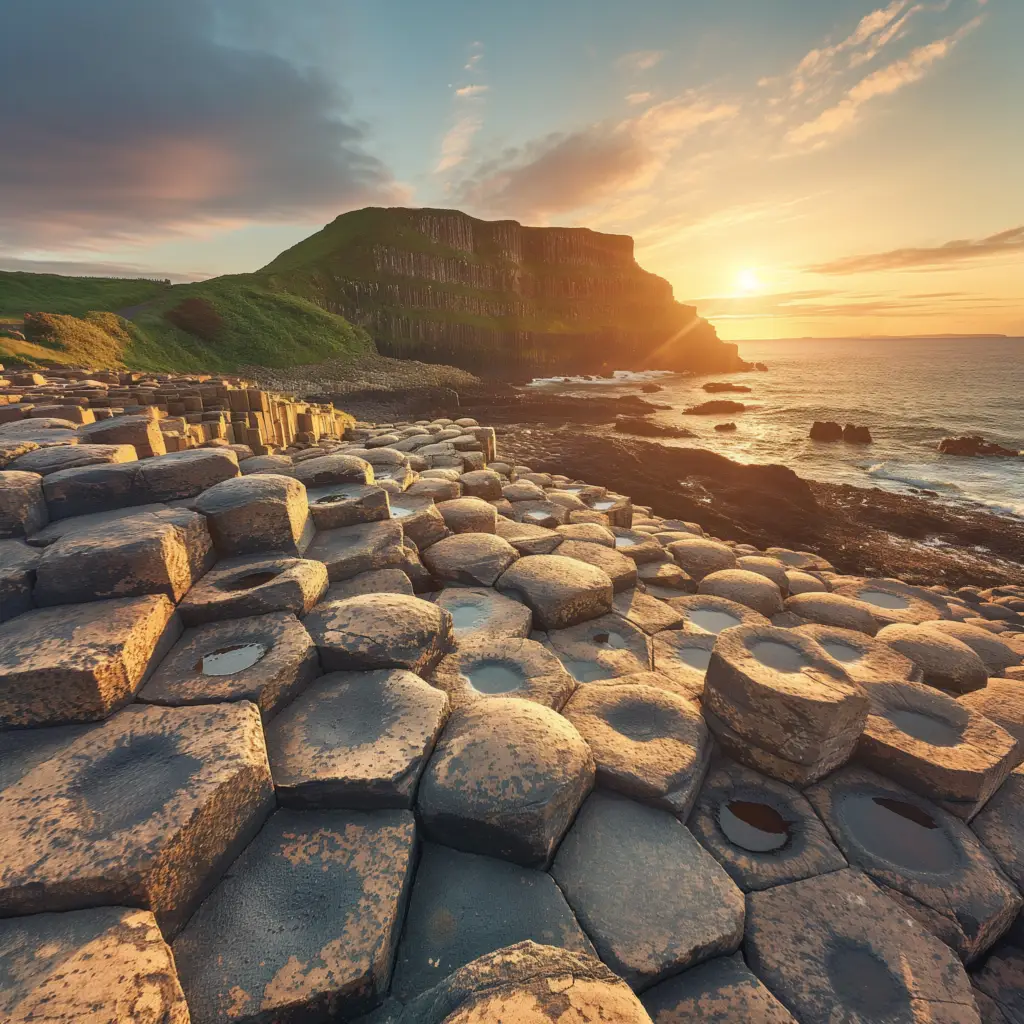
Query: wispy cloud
[640,60]
[1003,243]
[458,140]
[87,268]
[471,90]
[634,99]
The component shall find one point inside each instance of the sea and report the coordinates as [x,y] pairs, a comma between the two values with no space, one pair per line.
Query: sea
[910,392]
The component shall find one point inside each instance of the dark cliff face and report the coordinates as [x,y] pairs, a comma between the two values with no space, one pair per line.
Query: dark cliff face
[498,298]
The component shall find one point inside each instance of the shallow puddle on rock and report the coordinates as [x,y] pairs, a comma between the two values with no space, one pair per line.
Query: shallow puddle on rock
[625,542]
[585,671]
[694,657]
[842,652]
[924,727]
[495,677]
[778,656]
[601,506]
[340,493]
[866,984]
[400,511]
[250,580]
[711,620]
[466,616]
[883,599]
[753,826]
[607,638]
[898,832]
[229,660]
[538,514]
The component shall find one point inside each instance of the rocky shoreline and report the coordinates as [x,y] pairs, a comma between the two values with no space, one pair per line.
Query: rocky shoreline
[276,728]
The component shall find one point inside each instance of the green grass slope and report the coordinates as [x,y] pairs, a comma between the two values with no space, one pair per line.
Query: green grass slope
[22,293]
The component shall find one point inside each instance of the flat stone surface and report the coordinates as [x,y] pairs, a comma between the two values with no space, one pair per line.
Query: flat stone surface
[834,948]
[602,648]
[893,601]
[357,740]
[699,557]
[1000,827]
[720,991]
[185,474]
[751,589]
[351,550]
[834,610]
[476,559]
[108,964]
[763,832]
[380,631]
[646,612]
[254,585]
[51,460]
[464,906]
[147,809]
[80,663]
[469,515]
[340,505]
[506,780]
[329,470]
[17,577]
[684,657]
[705,613]
[482,612]
[651,899]
[527,984]
[22,505]
[495,666]
[865,660]
[528,539]
[620,569]
[305,924]
[995,653]
[265,659]
[944,661]
[648,744]
[1002,980]
[914,847]
[376,581]
[560,591]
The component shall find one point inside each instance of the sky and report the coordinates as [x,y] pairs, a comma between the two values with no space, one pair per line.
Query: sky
[793,167]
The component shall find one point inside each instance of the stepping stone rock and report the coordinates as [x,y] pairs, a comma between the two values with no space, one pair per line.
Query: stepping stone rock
[142,432]
[481,612]
[864,660]
[88,967]
[892,601]
[720,991]
[1001,701]
[548,514]
[80,663]
[834,948]
[347,505]
[705,613]
[477,559]
[936,746]
[593,532]
[17,577]
[684,657]
[651,899]
[764,833]
[1002,980]
[481,483]
[351,550]
[783,694]
[265,659]
[770,568]
[528,539]
[834,610]
[464,906]
[747,588]
[620,569]
[638,546]
[257,514]
[376,581]
[421,521]
[560,591]
[278,464]
[602,648]
[466,799]
[495,666]
[331,470]
[524,983]
[380,631]
[922,852]
[186,474]
[945,662]
[699,557]
[804,560]
[305,925]
[646,612]
[469,515]
[22,505]
[1000,827]
[241,587]
[51,460]
[798,582]
[995,653]
[648,744]
[357,740]
[664,580]
[148,808]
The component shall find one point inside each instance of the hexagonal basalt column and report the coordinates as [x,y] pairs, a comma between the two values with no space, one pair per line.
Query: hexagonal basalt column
[620,569]
[920,851]
[1000,826]
[893,601]
[721,991]
[835,948]
[602,648]
[560,591]
[266,659]
[237,588]
[305,924]
[647,743]
[1001,980]
[341,505]
[148,808]
[80,663]
[651,899]
[864,660]
[88,967]
[705,613]
[834,610]
[356,739]
[17,575]
[935,746]
[699,556]
[483,613]
[684,658]
[506,780]
[474,558]
[468,515]
[751,589]
[996,654]
[646,612]
[784,695]
[944,661]
[763,832]
[485,666]
[354,549]
[22,505]
[454,887]
[380,631]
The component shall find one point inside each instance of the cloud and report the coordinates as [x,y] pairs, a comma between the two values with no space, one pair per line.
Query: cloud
[469,117]
[640,60]
[132,120]
[572,170]
[634,99]
[882,82]
[960,251]
[471,90]
[86,268]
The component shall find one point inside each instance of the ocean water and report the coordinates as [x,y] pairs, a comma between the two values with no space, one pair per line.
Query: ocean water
[911,393]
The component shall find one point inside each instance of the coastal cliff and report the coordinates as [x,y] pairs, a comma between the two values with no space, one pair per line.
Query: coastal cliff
[496,297]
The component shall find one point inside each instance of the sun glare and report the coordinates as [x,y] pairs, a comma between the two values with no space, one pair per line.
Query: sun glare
[747,281]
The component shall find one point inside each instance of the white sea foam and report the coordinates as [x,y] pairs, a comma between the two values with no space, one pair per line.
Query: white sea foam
[618,377]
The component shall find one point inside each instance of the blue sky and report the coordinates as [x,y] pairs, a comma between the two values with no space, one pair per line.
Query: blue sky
[793,166]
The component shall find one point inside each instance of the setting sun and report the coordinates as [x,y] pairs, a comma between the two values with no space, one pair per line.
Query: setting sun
[748,282]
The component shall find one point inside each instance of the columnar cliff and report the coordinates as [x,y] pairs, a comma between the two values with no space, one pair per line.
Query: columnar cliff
[496,297]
